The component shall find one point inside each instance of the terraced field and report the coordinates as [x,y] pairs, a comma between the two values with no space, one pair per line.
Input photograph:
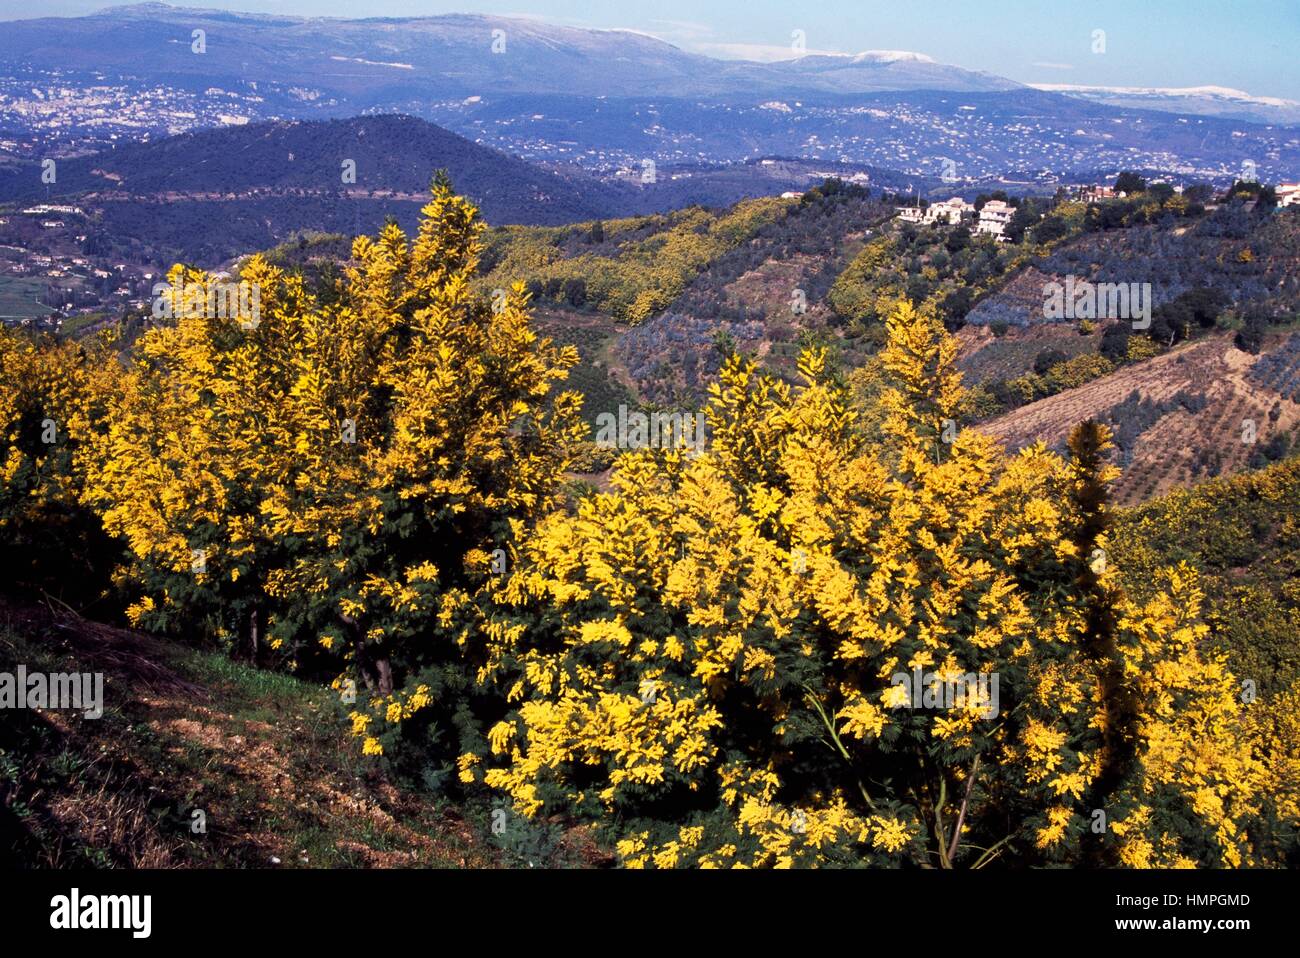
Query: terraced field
[1180,416]
[1279,370]
[769,289]
[985,357]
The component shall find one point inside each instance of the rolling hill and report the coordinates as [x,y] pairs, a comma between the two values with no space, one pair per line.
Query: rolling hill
[209,195]
[214,194]
[390,155]
[1180,416]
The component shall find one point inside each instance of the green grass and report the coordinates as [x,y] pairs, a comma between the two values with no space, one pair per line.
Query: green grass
[73,325]
[20,298]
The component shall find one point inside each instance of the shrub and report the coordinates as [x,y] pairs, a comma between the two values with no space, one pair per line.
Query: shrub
[343,472]
[1046,359]
[52,402]
[702,659]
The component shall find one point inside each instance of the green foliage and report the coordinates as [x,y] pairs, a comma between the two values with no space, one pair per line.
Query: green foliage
[636,269]
[1243,533]
[52,401]
[1130,182]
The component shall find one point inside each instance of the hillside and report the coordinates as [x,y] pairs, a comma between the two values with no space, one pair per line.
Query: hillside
[653,301]
[667,289]
[1241,534]
[260,754]
[1249,255]
[213,194]
[1178,417]
[370,515]
[392,154]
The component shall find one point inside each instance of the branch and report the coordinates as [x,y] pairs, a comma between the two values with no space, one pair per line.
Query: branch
[992,852]
[961,816]
[944,860]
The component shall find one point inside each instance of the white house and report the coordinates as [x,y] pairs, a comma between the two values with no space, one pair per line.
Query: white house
[1090,194]
[950,211]
[42,209]
[1288,194]
[994,217]
[910,214]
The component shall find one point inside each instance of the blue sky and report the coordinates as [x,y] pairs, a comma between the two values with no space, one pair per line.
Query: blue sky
[1250,46]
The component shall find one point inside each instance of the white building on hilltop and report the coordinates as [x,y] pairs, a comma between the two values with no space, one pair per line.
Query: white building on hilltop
[994,217]
[1288,194]
[1092,194]
[44,209]
[950,211]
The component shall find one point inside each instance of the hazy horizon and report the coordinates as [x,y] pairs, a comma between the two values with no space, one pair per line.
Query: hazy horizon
[1168,44]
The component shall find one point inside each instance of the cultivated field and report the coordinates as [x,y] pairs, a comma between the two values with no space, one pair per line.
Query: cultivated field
[20,298]
[1180,417]
[984,357]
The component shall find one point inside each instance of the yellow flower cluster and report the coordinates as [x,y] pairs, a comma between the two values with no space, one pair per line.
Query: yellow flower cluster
[747,624]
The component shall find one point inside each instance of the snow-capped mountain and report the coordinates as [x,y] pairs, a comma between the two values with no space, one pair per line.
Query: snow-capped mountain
[1217,101]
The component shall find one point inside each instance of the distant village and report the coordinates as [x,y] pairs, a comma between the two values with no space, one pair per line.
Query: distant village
[50,275]
[992,218]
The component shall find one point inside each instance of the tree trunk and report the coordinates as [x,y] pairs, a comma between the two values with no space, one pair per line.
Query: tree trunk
[367,667]
[256,628]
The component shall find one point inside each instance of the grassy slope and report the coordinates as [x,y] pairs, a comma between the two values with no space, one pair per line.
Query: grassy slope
[264,755]
[20,298]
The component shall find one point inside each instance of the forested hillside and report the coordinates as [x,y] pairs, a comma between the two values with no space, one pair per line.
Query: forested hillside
[824,269]
[211,195]
[1242,534]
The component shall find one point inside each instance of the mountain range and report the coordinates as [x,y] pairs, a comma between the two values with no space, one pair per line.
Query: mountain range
[1218,101]
[452,55]
[605,101]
